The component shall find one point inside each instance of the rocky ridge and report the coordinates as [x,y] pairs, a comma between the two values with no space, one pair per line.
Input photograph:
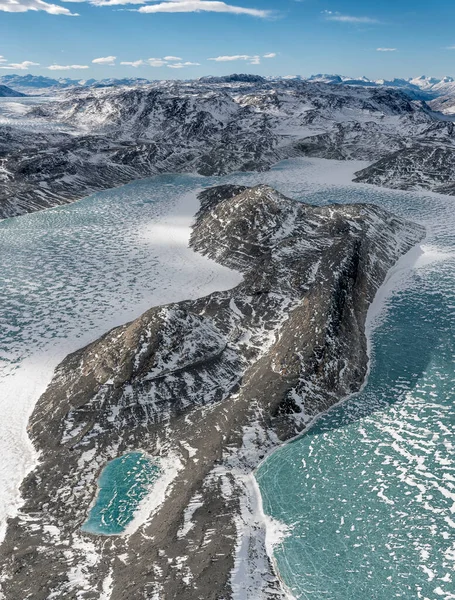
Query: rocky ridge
[418,167]
[7,92]
[113,135]
[207,387]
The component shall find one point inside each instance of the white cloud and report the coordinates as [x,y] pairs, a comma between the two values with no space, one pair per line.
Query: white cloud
[386,49]
[450,47]
[105,60]
[3,59]
[135,63]
[156,62]
[23,66]
[181,65]
[229,58]
[186,6]
[158,6]
[66,67]
[161,62]
[20,6]
[252,59]
[336,16]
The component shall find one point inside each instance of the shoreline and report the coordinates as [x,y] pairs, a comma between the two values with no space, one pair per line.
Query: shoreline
[376,312]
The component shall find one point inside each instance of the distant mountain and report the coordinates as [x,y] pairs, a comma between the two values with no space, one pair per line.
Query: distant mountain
[122,133]
[340,79]
[42,84]
[234,78]
[36,81]
[417,88]
[112,81]
[6,92]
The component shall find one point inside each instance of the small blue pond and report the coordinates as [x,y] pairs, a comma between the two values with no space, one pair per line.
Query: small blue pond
[123,484]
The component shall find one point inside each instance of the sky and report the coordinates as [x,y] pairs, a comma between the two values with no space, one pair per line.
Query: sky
[185,39]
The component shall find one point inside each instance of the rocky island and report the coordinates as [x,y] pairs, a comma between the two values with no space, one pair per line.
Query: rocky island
[206,388]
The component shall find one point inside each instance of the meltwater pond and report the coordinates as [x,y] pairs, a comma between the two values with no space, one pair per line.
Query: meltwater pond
[123,484]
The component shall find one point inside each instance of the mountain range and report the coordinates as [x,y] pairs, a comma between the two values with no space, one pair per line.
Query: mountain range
[91,138]
[207,386]
[423,87]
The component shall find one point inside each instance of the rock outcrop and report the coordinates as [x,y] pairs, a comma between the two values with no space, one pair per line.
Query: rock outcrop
[7,92]
[422,167]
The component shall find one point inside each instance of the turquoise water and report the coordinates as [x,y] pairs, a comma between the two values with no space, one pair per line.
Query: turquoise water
[369,492]
[123,484]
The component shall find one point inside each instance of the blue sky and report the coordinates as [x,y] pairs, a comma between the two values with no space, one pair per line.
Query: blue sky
[160,39]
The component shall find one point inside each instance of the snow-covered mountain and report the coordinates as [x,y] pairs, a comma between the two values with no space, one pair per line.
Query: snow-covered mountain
[113,135]
[422,87]
[39,85]
[36,81]
[418,88]
[6,92]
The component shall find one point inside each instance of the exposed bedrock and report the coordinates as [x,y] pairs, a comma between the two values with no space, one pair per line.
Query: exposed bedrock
[208,387]
[418,167]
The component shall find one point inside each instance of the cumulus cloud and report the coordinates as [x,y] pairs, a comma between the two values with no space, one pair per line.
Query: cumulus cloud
[181,65]
[386,49]
[167,61]
[105,60]
[20,6]
[253,59]
[156,62]
[187,6]
[134,63]
[336,16]
[66,67]
[23,66]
